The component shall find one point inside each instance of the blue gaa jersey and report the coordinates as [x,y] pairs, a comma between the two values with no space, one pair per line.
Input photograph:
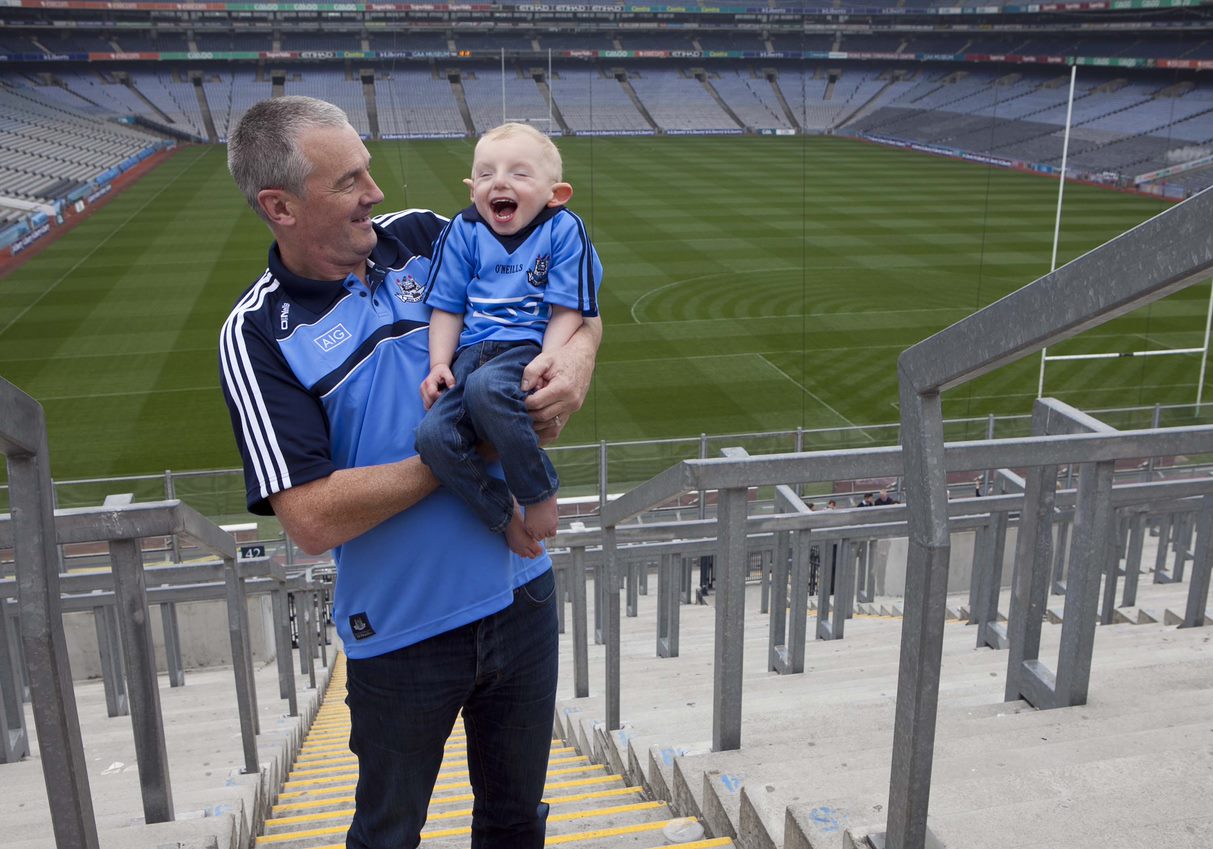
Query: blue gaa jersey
[323,375]
[504,286]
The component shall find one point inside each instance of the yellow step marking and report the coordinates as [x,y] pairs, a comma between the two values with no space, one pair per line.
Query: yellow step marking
[346,813]
[349,764]
[341,754]
[598,834]
[315,782]
[456,832]
[442,800]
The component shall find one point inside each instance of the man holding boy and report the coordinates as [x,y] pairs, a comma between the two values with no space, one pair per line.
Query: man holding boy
[320,363]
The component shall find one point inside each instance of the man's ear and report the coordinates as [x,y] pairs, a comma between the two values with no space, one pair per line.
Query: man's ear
[275,203]
[468,182]
[562,193]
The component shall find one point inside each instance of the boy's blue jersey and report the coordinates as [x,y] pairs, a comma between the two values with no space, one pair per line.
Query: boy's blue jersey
[323,375]
[504,286]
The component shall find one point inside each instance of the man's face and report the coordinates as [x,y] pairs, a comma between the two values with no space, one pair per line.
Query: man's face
[511,182]
[332,224]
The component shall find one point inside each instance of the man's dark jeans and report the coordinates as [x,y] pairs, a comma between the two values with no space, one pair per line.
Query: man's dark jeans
[501,673]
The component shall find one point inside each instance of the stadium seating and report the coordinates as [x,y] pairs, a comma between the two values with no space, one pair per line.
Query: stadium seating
[332,85]
[416,103]
[678,101]
[752,98]
[522,99]
[594,102]
[48,149]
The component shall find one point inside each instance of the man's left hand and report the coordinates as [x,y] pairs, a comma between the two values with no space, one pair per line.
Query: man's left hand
[561,380]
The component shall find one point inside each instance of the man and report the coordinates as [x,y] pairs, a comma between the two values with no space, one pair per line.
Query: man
[321,359]
[884,499]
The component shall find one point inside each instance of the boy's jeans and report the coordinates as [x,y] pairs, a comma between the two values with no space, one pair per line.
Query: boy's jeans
[487,403]
[501,672]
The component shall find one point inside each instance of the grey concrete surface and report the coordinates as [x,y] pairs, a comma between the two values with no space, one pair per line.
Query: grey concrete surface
[216,806]
[814,760]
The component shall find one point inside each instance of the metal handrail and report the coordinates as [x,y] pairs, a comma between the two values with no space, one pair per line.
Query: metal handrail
[1158,257]
[24,442]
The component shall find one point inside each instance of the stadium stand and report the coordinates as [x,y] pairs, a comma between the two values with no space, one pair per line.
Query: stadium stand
[594,102]
[523,101]
[678,102]
[47,149]
[752,98]
[333,86]
[417,104]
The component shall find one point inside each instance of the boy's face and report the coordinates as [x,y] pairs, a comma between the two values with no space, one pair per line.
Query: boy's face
[512,182]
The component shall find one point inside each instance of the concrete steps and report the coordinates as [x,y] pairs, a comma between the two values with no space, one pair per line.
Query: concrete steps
[589,806]
[815,753]
[215,805]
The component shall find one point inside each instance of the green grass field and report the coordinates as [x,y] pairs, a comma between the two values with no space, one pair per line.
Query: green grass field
[751,284]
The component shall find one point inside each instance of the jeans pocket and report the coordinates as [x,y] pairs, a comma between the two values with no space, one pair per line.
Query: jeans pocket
[539,591]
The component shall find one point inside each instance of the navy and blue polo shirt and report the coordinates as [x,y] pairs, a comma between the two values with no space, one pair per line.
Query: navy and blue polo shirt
[321,375]
[505,286]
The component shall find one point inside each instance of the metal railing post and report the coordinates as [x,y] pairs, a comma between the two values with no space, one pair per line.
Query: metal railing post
[172,642]
[134,620]
[633,588]
[23,440]
[581,650]
[1093,519]
[1032,578]
[730,619]
[1202,561]
[799,611]
[610,617]
[14,742]
[777,630]
[237,629]
[113,671]
[1137,536]
[282,646]
[668,608]
[170,493]
[924,615]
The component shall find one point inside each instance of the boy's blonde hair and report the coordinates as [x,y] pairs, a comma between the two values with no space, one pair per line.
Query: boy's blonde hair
[548,152]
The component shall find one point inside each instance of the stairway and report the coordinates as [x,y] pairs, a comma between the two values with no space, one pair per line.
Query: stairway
[813,771]
[589,806]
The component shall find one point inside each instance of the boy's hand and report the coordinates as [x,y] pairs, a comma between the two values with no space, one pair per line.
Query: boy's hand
[436,382]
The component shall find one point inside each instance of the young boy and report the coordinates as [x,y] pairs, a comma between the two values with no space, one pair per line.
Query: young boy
[511,275]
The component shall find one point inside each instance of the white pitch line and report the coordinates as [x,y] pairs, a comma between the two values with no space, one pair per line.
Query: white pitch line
[811,316]
[98,246]
[652,292]
[106,355]
[213,387]
[814,396]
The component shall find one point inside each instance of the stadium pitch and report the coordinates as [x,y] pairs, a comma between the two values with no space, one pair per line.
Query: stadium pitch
[751,284]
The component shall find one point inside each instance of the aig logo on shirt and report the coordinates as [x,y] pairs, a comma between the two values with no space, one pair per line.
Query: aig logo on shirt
[330,340]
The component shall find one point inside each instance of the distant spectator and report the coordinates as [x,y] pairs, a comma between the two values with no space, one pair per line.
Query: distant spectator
[831,504]
[884,499]
[867,500]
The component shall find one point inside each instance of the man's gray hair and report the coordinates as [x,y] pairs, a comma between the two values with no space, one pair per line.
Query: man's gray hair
[263,151]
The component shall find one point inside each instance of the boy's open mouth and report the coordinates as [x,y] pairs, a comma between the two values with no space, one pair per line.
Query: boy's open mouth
[503,208]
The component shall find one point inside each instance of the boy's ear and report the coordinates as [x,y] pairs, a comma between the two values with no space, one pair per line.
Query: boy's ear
[562,193]
[468,182]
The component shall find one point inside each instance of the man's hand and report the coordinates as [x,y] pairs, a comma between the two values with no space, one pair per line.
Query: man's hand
[436,382]
[560,380]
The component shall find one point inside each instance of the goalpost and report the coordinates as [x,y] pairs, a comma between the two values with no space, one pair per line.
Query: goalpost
[1045,357]
[547,122]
